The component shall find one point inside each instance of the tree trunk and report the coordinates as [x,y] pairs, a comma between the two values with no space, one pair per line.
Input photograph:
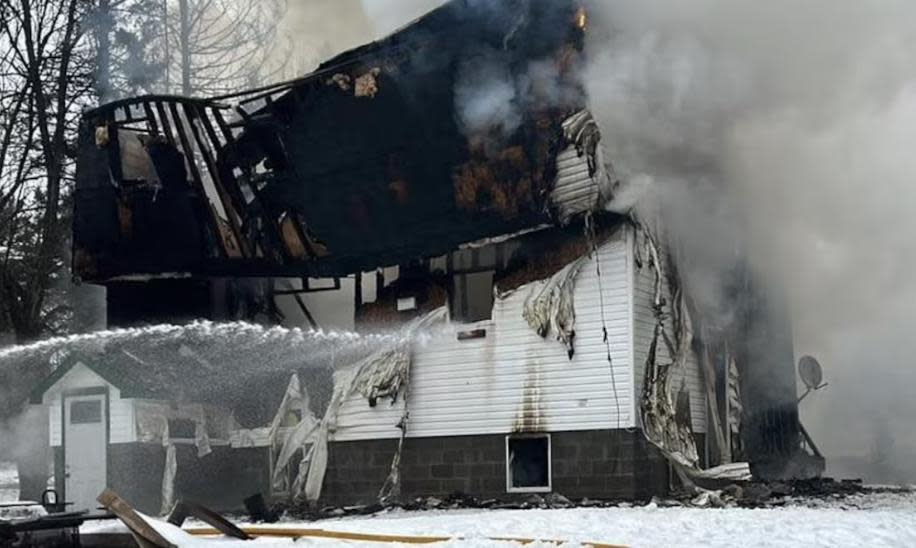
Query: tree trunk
[103,31]
[184,44]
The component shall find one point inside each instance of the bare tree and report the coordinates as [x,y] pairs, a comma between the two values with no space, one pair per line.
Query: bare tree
[44,81]
[187,47]
[127,36]
[219,46]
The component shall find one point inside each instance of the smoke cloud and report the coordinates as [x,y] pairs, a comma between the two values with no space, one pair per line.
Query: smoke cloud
[485,95]
[791,124]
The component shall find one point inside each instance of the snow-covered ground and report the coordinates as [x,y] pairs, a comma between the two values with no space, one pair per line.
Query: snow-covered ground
[874,520]
[9,482]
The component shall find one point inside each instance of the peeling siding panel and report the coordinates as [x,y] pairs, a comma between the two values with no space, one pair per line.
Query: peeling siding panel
[514,380]
[357,421]
[643,329]
[121,412]
[576,190]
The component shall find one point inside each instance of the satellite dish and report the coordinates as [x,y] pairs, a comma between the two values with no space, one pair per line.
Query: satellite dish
[810,372]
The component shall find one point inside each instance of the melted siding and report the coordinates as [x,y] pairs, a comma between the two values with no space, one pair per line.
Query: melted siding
[514,380]
[643,328]
[575,190]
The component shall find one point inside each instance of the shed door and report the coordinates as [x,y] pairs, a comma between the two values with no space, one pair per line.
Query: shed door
[85,459]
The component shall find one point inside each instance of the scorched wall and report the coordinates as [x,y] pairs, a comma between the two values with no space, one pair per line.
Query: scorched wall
[512,380]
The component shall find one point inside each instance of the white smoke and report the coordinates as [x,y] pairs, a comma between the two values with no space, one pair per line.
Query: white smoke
[486,97]
[792,123]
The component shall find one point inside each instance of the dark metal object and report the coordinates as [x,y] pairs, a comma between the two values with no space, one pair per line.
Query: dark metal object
[54,506]
[811,373]
[54,530]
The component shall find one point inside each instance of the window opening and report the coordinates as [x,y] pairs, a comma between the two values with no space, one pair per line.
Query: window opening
[182,429]
[85,412]
[528,467]
[472,297]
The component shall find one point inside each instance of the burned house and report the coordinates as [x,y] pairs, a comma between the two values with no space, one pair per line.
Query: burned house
[453,177]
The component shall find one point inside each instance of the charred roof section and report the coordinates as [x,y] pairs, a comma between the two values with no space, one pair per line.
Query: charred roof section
[469,123]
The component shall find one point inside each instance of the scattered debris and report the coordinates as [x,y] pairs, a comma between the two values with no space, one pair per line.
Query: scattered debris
[258,510]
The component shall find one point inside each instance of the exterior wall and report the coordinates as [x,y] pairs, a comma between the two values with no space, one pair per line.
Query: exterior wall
[597,464]
[514,380]
[121,423]
[135,472]
[224,478]
[220,480]
[644,327]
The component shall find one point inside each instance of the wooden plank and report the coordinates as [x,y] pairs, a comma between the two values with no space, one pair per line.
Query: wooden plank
[185,509]
[283,532]
[145,535]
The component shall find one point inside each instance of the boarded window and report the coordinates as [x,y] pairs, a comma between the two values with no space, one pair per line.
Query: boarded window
[528,467]
[472,297]
[85,412]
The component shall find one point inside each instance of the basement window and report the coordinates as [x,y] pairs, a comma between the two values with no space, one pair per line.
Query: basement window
[528,468]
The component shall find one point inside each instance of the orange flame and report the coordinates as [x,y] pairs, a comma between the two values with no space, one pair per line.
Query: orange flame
[582,19]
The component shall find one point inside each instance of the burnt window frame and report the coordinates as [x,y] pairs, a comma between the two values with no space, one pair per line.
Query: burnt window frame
[462,264]
[461,312]
[537,489]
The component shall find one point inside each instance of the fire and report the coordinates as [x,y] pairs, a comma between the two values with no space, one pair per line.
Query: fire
[582,19]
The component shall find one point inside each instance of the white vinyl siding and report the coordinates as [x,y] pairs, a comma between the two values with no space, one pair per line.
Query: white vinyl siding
[121,411]
[513,379]
[644,327]
[122,423]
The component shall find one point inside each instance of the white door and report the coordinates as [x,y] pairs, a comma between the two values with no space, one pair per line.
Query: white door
[85,459]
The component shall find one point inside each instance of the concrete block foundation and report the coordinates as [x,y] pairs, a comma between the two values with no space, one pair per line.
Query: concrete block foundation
[603,464]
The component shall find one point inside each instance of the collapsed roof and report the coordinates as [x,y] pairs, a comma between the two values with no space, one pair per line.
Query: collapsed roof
[469,123]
